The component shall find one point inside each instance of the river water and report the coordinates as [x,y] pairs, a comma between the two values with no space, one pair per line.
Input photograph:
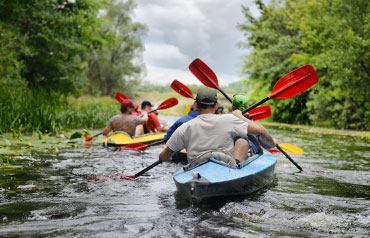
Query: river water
[54,197]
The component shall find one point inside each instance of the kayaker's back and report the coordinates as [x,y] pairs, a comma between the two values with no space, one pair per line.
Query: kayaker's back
[209,132]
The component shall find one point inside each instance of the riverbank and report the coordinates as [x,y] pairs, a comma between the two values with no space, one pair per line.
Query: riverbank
[363,135]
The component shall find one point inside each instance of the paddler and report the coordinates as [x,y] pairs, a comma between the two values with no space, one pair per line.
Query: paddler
[224,136]
[240,102]
[125,121]
[153,124]
[191,115]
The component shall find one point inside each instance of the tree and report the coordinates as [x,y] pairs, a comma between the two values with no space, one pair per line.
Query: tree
[55,36]
[330,35]
[116,65]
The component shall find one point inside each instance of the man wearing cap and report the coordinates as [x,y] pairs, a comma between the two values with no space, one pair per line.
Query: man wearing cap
[153,124]
[125,121]
[223,136]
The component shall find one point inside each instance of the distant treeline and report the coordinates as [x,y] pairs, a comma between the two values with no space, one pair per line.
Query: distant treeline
[232,88]
[332,36]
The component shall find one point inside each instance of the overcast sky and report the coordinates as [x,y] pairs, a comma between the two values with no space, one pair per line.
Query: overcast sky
[181,30]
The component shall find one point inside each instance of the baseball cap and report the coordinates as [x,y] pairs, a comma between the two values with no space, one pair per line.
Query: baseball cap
[146,103]
[128,103]
[206,96]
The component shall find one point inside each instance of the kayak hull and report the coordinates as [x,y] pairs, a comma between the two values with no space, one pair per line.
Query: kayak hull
[213,179]
[119,139]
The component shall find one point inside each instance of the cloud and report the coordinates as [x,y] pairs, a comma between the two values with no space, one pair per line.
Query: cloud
[180,31]
[165,76]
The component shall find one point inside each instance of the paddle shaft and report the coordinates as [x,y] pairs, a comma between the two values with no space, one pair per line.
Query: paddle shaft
[227,97]
[98,134]
[289,158]
[147,168]
[89,138]
[256,104]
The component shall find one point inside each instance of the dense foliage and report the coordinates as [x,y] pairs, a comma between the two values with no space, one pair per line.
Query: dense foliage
[116,65]
[51,37]
[332,36]
[45,50]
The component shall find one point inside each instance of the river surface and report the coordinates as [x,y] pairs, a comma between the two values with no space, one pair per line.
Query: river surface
[54,196]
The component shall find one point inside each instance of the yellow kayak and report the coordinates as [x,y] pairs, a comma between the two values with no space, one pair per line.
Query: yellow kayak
[120,138]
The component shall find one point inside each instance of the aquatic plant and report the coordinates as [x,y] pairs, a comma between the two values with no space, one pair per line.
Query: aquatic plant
[24,110]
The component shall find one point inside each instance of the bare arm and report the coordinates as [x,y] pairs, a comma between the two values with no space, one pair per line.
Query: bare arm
[106,131]
[258,130]
[162,128]
[144,116]
[165,154]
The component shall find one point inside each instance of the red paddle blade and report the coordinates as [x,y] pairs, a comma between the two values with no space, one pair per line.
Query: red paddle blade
[120,96]
[181,89]
[295,82]
[260,113]
[273,150]
[204,73]
[88,138]
[134,146]
[168,103]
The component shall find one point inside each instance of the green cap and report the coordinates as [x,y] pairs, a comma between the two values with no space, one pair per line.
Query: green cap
[206,96]
[240,101]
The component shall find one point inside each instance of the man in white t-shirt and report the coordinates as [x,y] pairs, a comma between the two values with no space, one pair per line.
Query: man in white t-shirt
[225,135]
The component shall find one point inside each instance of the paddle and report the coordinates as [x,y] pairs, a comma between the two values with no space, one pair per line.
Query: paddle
[102,177]
[142,171]
[89,138]
[181,89]
[206,75]
[168,103]
[291,85]
[288,148]
[134,146]
[120,97]
[289,158]
[260,113]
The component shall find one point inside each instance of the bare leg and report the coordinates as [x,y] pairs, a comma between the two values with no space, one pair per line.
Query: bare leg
[139,130]
[241,148]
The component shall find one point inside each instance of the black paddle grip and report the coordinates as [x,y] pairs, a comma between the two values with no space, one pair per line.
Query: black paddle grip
[289,158]
[147,168]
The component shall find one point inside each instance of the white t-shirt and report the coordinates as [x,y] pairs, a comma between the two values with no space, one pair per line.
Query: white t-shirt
[208,132]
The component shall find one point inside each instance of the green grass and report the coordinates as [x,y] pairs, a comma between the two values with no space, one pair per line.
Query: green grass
[24,111]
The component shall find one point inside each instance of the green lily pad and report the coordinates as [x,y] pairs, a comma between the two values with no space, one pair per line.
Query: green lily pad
[76,135]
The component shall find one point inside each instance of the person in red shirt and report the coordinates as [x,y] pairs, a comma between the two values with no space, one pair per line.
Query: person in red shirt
[153,124]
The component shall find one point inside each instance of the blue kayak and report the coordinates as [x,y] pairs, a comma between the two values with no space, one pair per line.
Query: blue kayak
[214,178]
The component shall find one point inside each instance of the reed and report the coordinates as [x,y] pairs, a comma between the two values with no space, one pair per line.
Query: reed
[26,110]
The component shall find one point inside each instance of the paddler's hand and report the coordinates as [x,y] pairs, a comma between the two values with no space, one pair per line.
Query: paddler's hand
[246,114]
[239,115]
[275,141]
[144,115]
[165,154]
